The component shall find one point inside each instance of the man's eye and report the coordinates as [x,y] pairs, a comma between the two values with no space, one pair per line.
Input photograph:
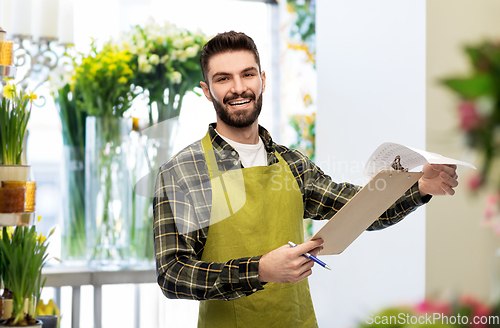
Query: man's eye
[248,74]
[222,79]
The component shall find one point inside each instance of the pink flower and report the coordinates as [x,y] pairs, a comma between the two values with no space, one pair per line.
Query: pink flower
[469,117]
[428,306]
[488,214]
[475,182]
[493,199]
[478,309]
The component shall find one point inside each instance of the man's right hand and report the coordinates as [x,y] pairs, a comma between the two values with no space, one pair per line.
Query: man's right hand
[286,264]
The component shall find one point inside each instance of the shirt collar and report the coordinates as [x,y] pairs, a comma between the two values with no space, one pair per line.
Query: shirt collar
[225,152]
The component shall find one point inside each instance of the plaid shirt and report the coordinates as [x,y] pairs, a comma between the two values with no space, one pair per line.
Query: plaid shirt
[182,206]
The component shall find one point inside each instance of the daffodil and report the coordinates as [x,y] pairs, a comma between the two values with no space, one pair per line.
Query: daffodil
[9,91]
[15,111]
[31,96]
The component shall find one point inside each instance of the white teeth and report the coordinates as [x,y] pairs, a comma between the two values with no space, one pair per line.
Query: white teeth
[239,103]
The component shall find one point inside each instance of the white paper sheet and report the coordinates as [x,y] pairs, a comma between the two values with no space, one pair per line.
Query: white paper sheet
[385,154]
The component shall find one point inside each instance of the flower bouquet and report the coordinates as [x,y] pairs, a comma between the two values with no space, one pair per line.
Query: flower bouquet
[167,66]
[105,91]
[23,254]
[479,114]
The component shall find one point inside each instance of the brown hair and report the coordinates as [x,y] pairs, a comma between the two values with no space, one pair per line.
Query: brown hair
[226,42]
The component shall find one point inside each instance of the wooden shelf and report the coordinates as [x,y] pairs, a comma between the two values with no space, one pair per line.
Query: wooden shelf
[17,219]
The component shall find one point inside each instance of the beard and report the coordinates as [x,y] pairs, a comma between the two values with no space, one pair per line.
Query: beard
[241,118]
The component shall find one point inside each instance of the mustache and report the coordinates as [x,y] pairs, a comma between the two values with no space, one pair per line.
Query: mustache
[247,94]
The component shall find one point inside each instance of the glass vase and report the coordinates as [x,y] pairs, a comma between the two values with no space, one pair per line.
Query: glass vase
[73,246]
[108,191]
[151,148]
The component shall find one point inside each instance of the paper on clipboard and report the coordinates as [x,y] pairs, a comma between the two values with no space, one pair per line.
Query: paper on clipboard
[384,188]
[384,155]
[364,208]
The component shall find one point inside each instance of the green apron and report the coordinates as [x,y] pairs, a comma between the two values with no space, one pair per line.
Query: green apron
[251,221]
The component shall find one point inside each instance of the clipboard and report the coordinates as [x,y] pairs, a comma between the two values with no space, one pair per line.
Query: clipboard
[364,209]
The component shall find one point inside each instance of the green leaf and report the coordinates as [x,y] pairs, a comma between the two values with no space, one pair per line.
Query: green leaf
[473,87]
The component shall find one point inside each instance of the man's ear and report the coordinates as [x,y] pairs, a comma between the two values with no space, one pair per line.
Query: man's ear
[263,78]
[204,87]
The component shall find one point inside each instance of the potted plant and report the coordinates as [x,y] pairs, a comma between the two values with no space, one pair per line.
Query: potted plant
[15,111]
[23,253]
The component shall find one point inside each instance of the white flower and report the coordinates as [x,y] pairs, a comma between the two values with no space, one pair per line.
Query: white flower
[192,51]
[141,44]
[178,43]
[164,59]
[160,39]
[145,68]
[142,59]
[188,40]
[485,105]
[181,55]
[144,65]
[176,77]
[154,59]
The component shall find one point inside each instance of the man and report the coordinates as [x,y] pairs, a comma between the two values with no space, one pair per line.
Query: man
[223,215]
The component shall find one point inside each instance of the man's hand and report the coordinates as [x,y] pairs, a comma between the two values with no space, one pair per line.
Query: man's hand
[438,179]
[286,264]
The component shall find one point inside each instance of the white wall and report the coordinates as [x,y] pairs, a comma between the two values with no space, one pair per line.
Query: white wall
[371,89]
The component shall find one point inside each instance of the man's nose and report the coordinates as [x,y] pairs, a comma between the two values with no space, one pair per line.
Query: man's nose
[239,86]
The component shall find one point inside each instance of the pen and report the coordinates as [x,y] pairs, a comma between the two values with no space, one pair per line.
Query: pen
[312,257]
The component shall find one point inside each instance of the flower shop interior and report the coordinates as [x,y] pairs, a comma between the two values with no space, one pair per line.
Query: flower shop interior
[417,73]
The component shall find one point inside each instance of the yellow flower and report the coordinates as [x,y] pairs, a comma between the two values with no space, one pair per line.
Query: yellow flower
[10,231]
[31,96]
[41,238]
[9,91]
[122,79]
[307,100]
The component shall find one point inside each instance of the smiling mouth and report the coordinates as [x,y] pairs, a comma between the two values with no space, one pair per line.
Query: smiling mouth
[239,103]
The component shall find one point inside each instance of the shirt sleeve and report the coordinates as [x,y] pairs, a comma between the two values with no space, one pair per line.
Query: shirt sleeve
[324,198]
[179,242]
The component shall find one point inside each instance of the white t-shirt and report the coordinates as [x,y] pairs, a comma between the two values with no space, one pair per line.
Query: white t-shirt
[250,155]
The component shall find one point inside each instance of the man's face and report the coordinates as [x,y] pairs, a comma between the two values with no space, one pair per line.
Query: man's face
[235,87]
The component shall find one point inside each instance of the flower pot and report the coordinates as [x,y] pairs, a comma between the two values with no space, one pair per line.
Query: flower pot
[8,306]
[30,192]
[37,324]
[48,321]
[74,248]
[12,200]
[14,172]
[108,191]
[150,149]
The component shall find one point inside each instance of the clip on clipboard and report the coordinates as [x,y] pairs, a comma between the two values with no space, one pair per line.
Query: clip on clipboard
[364,208]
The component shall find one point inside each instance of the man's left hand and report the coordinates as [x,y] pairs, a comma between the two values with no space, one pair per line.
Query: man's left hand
[438,179]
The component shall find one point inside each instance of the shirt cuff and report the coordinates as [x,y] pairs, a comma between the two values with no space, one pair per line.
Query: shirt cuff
[416,197]
[249,275]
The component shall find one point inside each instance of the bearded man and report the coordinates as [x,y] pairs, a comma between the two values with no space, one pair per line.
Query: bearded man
[223,214]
